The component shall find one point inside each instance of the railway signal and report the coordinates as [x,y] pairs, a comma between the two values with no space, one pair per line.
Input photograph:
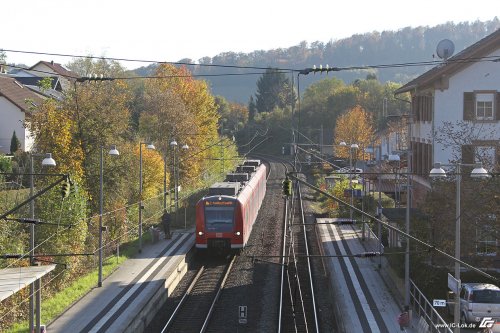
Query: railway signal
[65,188]
[287,187]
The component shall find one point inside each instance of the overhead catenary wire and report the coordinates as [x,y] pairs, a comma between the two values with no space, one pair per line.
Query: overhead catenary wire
[395,229]
[304,71]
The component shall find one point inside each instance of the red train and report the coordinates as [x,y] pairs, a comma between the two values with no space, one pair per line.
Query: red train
[224,218]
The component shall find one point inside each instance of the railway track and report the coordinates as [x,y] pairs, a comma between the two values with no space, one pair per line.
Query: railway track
[298,311]
[195,309]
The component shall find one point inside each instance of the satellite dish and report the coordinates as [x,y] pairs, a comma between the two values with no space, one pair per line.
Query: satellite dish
[445,49]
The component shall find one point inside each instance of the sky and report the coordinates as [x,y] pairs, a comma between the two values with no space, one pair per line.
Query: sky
[156,30]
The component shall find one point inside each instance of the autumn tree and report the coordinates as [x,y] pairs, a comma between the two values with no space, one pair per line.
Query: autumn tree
[99,110]
[53,131]
[355,126]
[181,108]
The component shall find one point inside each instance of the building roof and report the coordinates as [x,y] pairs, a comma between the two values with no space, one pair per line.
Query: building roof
[35,80]
[14,279]
[56,68]
[18,94]
[455,64]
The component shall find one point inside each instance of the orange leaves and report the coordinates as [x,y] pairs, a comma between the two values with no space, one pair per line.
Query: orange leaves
[181,108]
[355,126]
[152,171]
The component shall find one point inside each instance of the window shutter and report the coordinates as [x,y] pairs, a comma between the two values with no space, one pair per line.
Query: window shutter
[468,154]
[415,107]
[497,107]
[468,106]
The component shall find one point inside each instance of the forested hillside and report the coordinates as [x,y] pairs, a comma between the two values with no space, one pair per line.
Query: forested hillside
[372,48]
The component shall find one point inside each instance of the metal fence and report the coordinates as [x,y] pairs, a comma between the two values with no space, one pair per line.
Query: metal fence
[430,319]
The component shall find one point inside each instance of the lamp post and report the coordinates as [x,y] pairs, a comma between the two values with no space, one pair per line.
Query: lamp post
[148,146]
[175,166]
[47,161]
[113,152]
[480,173]
[352,146]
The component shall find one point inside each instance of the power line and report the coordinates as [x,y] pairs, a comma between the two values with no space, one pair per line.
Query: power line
[139,60]
[304,71]
[103,78]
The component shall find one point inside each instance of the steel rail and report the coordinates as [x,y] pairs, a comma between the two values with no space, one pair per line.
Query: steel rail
[186,295]
[216,298]
[309,270]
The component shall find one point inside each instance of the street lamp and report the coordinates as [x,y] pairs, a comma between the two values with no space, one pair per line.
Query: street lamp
[148,146]
[352,146]
[175,165]
[113,152]
[47,161]
[480,173]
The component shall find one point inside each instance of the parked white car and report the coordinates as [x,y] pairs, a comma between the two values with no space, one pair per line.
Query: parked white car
[478,301]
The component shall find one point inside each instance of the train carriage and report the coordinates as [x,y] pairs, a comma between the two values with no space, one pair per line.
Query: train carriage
[224,218]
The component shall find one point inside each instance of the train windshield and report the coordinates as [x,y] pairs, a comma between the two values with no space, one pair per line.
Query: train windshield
[219,219]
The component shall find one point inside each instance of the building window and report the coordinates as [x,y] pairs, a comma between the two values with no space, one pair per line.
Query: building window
[481,106]
[484,106]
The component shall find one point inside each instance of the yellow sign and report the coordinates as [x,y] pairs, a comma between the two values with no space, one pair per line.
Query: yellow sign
[218,203]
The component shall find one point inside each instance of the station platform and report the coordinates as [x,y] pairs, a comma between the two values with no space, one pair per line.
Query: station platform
[125,301]
[363,300]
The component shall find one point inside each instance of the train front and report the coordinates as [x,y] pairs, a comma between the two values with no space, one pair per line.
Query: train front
[217,223]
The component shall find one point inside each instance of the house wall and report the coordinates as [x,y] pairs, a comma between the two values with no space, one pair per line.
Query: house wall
[12,119]
[449,104]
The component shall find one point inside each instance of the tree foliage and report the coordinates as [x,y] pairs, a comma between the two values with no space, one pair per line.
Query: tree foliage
[372,48]
[326,100]
[233,116]
[14,143]
[189,102]
[273,91]
[354,127]
[100,112]
[480,223]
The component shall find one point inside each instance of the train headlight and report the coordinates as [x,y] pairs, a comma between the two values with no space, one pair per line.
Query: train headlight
[237,233]
[200,233]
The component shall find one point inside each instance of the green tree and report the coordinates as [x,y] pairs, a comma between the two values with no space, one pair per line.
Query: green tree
[276,125]
[223,109]
[14,143]
[45,83]
[5,164]
[252,109]
[273,90]
[233,116]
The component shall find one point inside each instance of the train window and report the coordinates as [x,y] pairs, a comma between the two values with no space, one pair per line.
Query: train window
[219,219]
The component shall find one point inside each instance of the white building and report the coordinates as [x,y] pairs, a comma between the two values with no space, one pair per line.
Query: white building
[16,104]
[456,109]
[52,69]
